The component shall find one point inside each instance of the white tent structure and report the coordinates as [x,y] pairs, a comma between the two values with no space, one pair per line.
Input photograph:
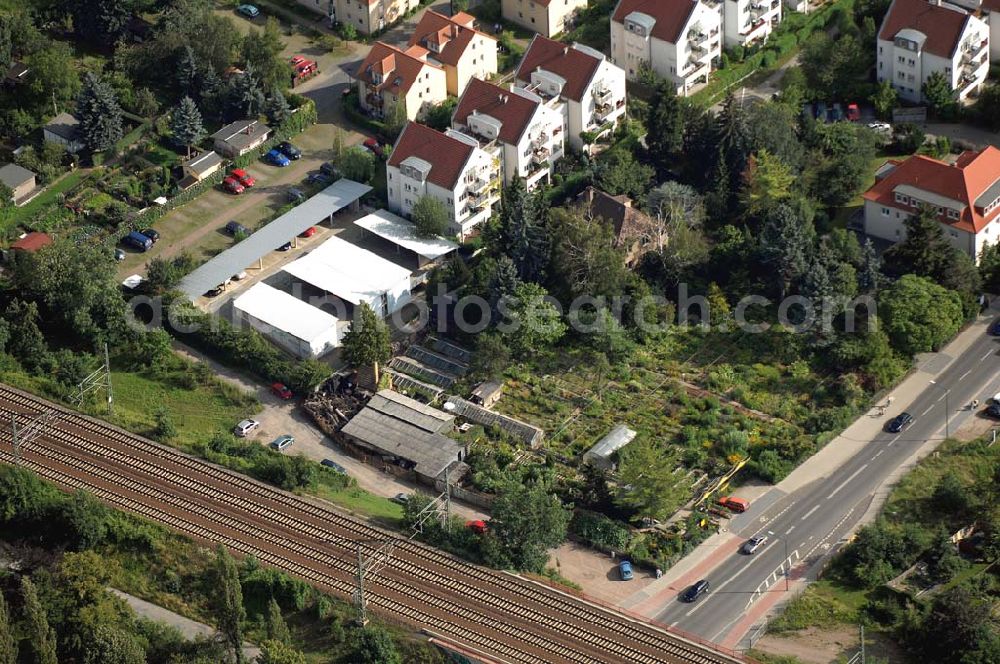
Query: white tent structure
[300,328]
[403,233]
[355,275]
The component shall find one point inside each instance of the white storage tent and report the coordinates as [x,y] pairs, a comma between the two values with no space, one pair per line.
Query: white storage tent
[298,327]
[403,233]
[355,275]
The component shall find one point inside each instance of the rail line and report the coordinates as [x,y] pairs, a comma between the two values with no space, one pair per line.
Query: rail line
[509,617]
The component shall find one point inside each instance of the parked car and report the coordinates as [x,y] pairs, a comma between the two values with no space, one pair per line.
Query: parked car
[244,178]
[277,158]
[334,466]
[289,150]
[994,410]
[235,228]
[899,423]
[328,169]
[281,443]
[319,178]
[880,127]
[239,276]
[246,427]
[695,591]
[400,498]
[625,570]
[281,391]
[853,112]
[296,195]
[232,185]
[751,546]
[995,328]
[286,246]
[477,526]
[735,504]
[250,11]
[151,233]
[309,232]
[372,144]
[137,240]
[119,255]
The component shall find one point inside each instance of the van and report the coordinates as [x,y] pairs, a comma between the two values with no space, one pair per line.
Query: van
[137,240]
[735,504]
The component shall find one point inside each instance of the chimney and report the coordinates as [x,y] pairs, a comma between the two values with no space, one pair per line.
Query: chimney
[566,50]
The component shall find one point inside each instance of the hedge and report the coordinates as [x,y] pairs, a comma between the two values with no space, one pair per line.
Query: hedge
[600,531]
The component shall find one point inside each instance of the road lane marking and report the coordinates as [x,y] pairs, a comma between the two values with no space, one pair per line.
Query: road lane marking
[965,374]
[789,531]
[877,455]
[985,356]
[725,583]
[809,513]
[844,483]
[941,398]
[929,408]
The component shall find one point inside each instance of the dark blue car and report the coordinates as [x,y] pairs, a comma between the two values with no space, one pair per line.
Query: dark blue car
[995,328]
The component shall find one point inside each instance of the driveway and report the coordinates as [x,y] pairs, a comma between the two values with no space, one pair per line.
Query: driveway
[285,417]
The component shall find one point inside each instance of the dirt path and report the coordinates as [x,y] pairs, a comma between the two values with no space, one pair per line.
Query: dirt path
[830,645]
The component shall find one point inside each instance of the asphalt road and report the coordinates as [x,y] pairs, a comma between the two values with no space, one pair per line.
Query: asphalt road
[808,524]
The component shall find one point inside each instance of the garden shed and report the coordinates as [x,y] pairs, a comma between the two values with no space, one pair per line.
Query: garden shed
[296,326]
[63,129]
[407,434]
[355,275]
[238,138]
[20,180]
[201,166]
[601,454]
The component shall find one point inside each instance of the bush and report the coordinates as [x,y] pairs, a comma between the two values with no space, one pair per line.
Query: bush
[600,531]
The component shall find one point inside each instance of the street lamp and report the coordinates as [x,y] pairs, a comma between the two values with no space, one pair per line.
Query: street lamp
[784,542]
[947,410]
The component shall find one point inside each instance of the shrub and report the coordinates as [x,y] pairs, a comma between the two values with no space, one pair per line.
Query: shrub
[600,531]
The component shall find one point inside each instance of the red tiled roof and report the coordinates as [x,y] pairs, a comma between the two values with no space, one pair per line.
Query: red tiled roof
[577,67]
[393,65]
[628,223]
[991,6]
[943,25]
[671,15]
[32,242]
[965,181]
[511,109]
[453,34]
[446,155]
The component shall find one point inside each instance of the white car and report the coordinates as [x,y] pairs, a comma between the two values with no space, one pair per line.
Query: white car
[246,427]
[880,127]
[751,545]
[239,276]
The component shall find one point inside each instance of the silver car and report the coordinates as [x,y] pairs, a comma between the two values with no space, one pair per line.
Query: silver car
[751,546]
[281,443]
[246,427]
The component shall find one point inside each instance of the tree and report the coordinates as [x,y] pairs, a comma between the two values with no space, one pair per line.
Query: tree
[22,336]
[430,217]
[84,521]
[907,138]
[165,429]
[262,52]
[8,645]
[228,607]
[187,71]
[676,235]
[276,107]
[144,103]
[244,98]
[375,646]
[185,124]
[647,482]
[884,100]
[989,267]
[664,126]
[277,652]
[6,44]
[276,627]
[527,520]
[503,282]
[492,356]
[41,637]
[957,624]
[439,116]
[99,114]
[785,246]
[357,164]
[939,95]
[54,80]
[366,343]
[532,322]
[585,259]
[838,166]
[919,315]
[113,646]
[618,172]
[870,353]
[101,21]
[767,183]
[987,107]
[522,235]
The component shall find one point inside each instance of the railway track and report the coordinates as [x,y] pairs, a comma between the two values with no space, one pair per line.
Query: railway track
[513,619]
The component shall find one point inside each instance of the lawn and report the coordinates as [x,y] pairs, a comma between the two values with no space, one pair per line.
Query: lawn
[823,605]
[48,197]
[360,501]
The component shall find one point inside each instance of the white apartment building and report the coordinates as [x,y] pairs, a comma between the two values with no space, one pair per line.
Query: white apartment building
[457,46]
[965,197]
[389,76]
[590,86]
[919,38]
[749,22]
[546,17]
[679,39]
[991,10]
[367,16]
[450,167]
[526,131]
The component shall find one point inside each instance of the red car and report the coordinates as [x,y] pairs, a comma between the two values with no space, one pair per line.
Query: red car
[853,112]
[243,177]
[232,185]
[372,144]
[478,526]
[309,232]
[281,391]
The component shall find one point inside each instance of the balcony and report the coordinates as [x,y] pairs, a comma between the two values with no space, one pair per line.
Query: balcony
[541,156]
[540,141]
[602,96]
[602,112]
[478,186]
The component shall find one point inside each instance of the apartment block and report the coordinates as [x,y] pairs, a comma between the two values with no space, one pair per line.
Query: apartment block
[590,86]
[454,44]
[367,16]
[919,38]
[450,167]
[546,17]
[389,77]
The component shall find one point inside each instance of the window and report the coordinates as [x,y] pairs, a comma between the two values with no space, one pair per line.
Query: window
[900,198]
[953,214]
[900,59]
[885,212]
